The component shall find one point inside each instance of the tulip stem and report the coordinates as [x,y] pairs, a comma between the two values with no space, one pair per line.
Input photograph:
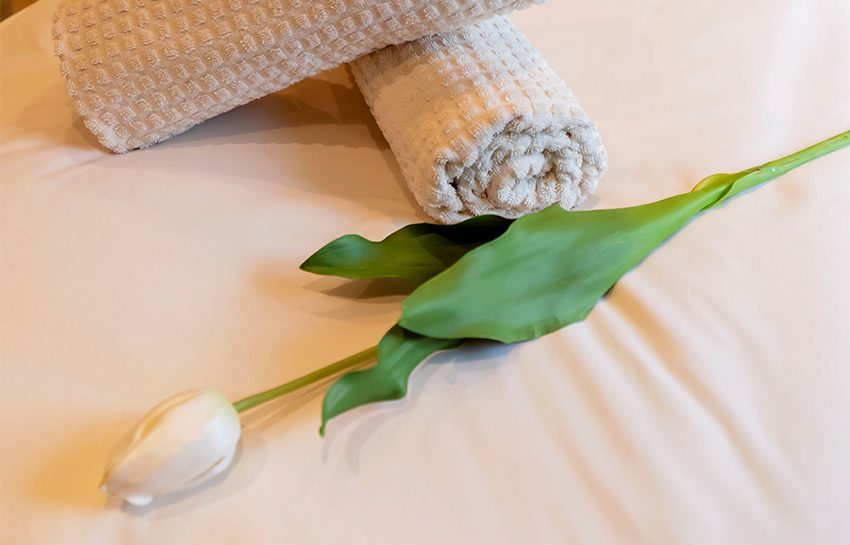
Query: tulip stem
[342,365]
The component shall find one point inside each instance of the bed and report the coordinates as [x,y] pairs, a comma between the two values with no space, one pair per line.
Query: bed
[704,401]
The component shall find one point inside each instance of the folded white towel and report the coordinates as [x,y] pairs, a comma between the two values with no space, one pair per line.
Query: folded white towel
[140,71]
[480,124]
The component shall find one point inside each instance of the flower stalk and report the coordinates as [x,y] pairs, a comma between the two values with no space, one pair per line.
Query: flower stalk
[316,376]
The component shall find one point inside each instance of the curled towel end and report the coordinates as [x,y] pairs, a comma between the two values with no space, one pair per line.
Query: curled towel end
[480,124]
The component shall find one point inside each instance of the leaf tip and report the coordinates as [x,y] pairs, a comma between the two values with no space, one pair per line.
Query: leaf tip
[308,264]
[315,262]
[336,255]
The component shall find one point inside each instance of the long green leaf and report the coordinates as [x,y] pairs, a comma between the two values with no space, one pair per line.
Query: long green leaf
[414,253]
[549,269]
[399,353]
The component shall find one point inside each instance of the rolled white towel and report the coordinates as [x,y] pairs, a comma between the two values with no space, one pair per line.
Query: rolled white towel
[480,124]
[140,71]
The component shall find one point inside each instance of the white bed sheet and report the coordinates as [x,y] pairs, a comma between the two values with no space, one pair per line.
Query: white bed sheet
[705,401]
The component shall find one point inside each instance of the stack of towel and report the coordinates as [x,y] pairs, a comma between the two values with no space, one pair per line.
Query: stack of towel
[478,121]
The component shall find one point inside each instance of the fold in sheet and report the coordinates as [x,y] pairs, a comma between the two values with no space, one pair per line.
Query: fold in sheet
[140,71]
[480,124]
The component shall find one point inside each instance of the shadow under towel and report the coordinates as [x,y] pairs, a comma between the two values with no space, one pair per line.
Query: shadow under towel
[480,124]
[141,71]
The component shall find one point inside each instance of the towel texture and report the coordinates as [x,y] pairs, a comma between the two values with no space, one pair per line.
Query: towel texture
[480,124]
[140,71]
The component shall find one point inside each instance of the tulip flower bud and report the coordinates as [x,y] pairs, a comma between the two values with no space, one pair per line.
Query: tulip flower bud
[182,442]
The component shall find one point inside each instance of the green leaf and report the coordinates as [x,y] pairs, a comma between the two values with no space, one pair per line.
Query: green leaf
[549,269]
[399,353]
[414,253]
[546,272]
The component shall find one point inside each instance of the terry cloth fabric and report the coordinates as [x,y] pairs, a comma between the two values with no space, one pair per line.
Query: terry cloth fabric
[140,71]
[480,124]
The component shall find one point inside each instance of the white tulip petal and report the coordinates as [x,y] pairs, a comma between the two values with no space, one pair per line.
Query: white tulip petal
[139,501]
[184,441]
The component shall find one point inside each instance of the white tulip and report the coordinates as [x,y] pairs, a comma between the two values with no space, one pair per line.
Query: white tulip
[184,441]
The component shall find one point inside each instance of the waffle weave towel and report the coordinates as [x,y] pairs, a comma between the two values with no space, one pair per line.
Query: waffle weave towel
[480,124]
[140,71]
